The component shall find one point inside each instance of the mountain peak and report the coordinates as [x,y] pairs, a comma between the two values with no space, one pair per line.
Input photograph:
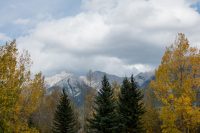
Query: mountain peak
[76,86]
[50,81]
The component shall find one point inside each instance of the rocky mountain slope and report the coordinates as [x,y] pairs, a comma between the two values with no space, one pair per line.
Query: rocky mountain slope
[77,86]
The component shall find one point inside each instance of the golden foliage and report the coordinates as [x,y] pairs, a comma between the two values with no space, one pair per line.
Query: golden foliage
[151,121]
[19,94]
[176,86]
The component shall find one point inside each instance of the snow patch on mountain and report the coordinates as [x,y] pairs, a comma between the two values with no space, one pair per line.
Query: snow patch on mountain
[77,86]
[51,81]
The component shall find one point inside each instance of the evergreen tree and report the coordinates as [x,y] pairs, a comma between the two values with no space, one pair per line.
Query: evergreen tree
[64,119]
[130,107]
[104,118]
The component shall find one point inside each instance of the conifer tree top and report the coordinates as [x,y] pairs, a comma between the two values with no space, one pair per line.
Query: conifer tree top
[104,118]
[64,120]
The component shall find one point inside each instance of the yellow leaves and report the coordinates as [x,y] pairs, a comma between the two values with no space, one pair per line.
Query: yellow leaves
[150,118]
[169,118]
[19,94]
[176,83]
[32,94]
[166,57]
[188,113]
[10,85]
[30,98]
[24,128]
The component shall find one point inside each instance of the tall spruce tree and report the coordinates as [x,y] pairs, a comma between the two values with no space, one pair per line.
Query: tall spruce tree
[64,119]
[104,118]
[130,107]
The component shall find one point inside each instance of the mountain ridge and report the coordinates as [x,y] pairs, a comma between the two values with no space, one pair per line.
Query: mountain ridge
[77,86]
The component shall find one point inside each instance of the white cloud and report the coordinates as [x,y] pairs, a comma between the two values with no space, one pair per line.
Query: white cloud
[22,21]
[119,37]
[117,66]
[73,33]
[4,37]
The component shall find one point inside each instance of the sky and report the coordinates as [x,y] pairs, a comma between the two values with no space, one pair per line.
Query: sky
[119,37]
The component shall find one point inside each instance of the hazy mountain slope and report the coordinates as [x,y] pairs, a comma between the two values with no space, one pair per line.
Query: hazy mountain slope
[76,86]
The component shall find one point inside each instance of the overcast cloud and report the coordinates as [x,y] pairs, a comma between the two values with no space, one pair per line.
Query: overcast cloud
[116,36]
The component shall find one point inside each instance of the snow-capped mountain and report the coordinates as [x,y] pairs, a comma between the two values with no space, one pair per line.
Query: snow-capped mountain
[72,84]
[77,86]
[96,78]
[51,81]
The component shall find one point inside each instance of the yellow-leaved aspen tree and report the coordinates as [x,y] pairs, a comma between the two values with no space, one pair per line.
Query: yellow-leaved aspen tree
[11,79]
[28,102]
[176,84]
[19,94]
